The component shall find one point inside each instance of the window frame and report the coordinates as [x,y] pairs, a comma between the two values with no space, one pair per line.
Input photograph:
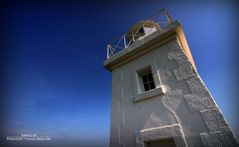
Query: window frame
[139,91]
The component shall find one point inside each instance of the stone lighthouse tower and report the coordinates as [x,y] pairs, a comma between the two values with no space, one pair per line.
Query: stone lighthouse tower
[158,98]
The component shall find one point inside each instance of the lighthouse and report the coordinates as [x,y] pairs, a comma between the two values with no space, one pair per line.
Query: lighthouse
[158,97]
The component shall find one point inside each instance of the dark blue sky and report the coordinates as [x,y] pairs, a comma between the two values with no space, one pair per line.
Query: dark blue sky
[53,82]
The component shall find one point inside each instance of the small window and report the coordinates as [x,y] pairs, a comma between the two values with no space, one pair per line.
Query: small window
[146,78]
[148,81]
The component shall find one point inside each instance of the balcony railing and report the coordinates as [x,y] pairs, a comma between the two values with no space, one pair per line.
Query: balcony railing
[155,23]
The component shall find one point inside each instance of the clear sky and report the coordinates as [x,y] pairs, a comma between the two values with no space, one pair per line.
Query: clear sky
[52,79]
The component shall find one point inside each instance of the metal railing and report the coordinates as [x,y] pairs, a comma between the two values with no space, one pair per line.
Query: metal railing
[162,18]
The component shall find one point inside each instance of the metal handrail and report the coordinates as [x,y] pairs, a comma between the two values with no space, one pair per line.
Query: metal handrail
[120,42]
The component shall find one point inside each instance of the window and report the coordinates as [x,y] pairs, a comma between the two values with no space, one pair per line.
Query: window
[148,81]
[146,78]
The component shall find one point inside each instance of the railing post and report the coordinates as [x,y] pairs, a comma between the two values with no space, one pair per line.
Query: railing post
[125,42]
[169,17]
[108,47]
[133,36]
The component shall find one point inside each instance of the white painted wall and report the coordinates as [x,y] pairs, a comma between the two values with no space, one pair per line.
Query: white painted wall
[185,110]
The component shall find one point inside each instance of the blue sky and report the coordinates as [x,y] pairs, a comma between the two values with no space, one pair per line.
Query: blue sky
[53,82]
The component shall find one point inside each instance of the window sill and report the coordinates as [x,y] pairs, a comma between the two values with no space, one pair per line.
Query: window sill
[148,94]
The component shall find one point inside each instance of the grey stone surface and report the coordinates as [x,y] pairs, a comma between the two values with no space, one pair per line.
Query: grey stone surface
[223,138]
[175,52]
[185,69]
[170,131]
[198,103]
[199,99]
[162,132]
[196,85]
[214,120]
